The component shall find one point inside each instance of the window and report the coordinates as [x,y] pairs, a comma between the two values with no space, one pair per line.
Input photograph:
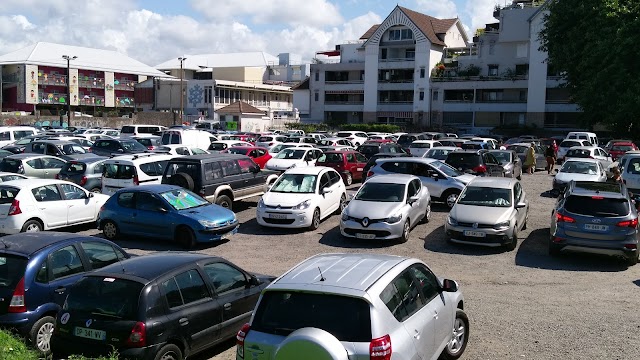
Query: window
[412,190]
[208,92]
[125,199]
[402,297]
[429,285]
[172,293]
[400,34]
[334,178]
[148,202]
[20,134]
[316,96]
[5,135]
[65,262]
[422,73]
[192,286]
[435,95]
[225,277]
[72,192]
[46,193]
[38,147]
[212,171]
[230,167]
[52,163]
[351,158]
[99,254]
[324,181]
[493,70]
[43,274]
[246,165]
[410,54]
[518,192]
[154,168]
[421,94]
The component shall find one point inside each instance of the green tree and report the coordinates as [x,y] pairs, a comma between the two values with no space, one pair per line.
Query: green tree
[594,44]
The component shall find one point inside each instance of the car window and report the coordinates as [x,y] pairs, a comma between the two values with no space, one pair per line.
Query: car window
[107,297]
[99,254]
[148,202]
[518,192]
[361,158]
[411,189]
[52,150]
[125,199]
[398,167]
[212,171]
[429,285]
[98,168]
[229,167]
[182,151]
[225,277]
[260,152]
[46,193]
[72,192]
[246,165]
[155,168]
[324,181]
[351,158]
[185,288]
[402,296]
[51,163]
[597,206]
[65,262]
[334,178]
[38,147]
[33,163]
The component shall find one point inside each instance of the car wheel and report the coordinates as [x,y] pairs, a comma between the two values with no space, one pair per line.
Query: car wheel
[224,201]
[315,221]
[450,197]
[348,179]
[169,352]
[183,180]
[32,226]
[110,230]
[185,237]
[632,259]
[343,204]
[458,343]
[406,230]
[96,190]
[427,214]
[514,240]
[40,334]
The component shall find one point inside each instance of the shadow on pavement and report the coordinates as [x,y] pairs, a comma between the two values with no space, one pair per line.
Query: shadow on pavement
[333,238]
[216,350]
[151,244]
[533,253]
[436,241]
[251,227]
[637,282]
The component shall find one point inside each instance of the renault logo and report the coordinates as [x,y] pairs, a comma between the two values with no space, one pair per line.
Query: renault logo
[475,225]
[365,222]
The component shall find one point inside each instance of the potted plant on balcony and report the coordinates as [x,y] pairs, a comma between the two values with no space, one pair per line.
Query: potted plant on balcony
[438,70]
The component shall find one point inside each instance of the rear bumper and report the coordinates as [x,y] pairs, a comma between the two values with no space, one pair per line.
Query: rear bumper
[21,322]
[603,247]
[11,224]
[67,345]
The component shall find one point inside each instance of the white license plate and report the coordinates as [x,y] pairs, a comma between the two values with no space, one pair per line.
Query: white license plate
[277,216]
[474,233]
[90,333]
[596,227]
[365,236]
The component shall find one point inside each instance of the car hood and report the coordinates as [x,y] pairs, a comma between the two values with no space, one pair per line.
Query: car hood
[283,164]
[465,179]
[480,214]
[209,212]
[372,210]
[566,177]
[285,199]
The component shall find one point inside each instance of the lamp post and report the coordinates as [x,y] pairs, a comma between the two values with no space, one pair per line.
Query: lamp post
[182,59]
[68,58]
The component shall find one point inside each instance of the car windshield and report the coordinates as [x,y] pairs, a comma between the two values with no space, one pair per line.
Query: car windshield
[460,160]
[568,144]
[292,154]
[23,141]
[484,196]
[624,148]
[133,146]
[105,296]
[334,158]
[446,169]
[182,199]
[579,167]
[582,153]
[440,154]
[71,149]
[597,206]
[12,269]
[504,157]
[295,183]
[381,192]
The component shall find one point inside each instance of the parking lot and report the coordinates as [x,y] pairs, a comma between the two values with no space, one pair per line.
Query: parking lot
[522,304]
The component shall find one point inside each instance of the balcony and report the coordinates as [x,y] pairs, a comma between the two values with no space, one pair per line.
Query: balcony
[334,82]
[125,102]
[52,79]
[53,98]
[91,100]
[478,78]
[344,102]
[96,83]
[127,85]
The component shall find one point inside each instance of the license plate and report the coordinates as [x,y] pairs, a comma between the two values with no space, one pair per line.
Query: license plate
[365,236]
[90,333]
[596,227]
[232,232]
[474,233]
[277,216]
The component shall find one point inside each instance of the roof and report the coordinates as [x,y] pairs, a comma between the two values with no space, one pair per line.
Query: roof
[392,179]
[303,85]
[350,271]
[492,182]
[27,156]
[28,243]
[204,157]
[50,54]
[88,160]
[209,61]
[429,25]
[370,32]
[153,265]
[590,188]
[240,108]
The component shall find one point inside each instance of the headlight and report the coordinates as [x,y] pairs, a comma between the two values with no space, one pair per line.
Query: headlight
[344,216]
[393,219]
[502,225]
[451,221]
[261,203]
[303,205]
[213,224]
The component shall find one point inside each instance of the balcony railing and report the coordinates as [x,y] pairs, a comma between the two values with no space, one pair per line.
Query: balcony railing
[125,102]
[47,79]
[477,78]
[91,100]
[96,83]
[558,101]
[52,98]
[126,85]
[344,102]
[396,81]
[398,59]
[382,102]
[344,82]
[500,101]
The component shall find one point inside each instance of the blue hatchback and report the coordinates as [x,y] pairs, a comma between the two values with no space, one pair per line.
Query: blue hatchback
[166,212]
[36,272]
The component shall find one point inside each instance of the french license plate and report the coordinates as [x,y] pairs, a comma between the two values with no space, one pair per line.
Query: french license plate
[474,233]
[596,227]
[90,333]
[365,236]
[277,216]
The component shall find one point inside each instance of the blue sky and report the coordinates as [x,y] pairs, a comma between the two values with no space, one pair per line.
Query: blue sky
[154,31]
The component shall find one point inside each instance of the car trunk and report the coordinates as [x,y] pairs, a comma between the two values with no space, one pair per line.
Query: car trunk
[7,196]
[597,218]
[12,268]
[463,161]
[116,176]
[72,171]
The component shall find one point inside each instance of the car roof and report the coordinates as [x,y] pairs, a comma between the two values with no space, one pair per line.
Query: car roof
[392,179]
[581,160]
[28,156]
[31,182]
[425,141]
[407,159]
[446,148]
[493,182]
[151,266]
[346,271]
[590,188]
[308,170]
[150,156]
[54,142]
[203,157]
[583,147]
[29,243]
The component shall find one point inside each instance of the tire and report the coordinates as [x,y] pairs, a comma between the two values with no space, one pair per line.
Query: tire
[348,180]
[526,220]
[343,204]
[96,190]
[169,352]
[427,214]
[32,226]
[632,259]
[455,348]
[183,180]
[514,240]
[450,196]
[185,237]
[315,221]
[406,231]
[41,333]
[224,201]
[110,230]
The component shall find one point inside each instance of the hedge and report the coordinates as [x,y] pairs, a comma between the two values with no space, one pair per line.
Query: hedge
[15,348]
[366,127]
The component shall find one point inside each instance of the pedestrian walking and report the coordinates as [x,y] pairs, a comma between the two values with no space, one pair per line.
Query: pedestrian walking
[550,154]
[530,159]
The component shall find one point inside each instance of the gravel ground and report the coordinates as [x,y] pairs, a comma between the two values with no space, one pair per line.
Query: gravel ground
[521,304]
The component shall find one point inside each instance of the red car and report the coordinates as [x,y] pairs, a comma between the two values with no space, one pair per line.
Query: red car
[378,141]
[259,155]
[348,163]
[619,148]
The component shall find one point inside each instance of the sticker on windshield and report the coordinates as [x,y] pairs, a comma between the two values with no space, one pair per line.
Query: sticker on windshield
[109,279]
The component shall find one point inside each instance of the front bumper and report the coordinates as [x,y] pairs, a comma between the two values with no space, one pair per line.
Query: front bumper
[207,235]
[375,229]
[284,218]
[478,236]
[66,345]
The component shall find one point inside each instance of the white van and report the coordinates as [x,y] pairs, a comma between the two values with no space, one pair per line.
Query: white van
[189,137]
[131,170]
[9,134]
[135,130]
[208,125]
[583,135]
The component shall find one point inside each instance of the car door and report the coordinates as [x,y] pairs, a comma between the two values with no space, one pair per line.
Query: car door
[51,206]
[519,196]
[51,167]
[253,180]
[430,177]
[80,207]
[62,269]
[233,176]
[124,213]
[413,189]
[234,293]
[35,168]
[326,200]
[361,162]
[152,217]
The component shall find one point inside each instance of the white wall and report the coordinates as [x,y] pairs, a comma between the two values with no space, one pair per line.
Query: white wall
[371,79]
[350,53]
[537,68]
[301,101]
[454,37]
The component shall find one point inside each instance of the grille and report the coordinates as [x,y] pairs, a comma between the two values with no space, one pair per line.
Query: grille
[377,233]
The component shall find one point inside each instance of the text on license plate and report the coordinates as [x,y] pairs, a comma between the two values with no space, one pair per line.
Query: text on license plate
[277,216]
[365,236]
[90,333]
[474,233]
[596,227]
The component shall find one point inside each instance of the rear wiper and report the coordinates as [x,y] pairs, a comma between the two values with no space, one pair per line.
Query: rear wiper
[106,315]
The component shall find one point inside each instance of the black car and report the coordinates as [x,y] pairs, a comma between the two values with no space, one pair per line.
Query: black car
[86,172]
[373,158]
[167,305]
[368,149]
[19,146]
[220,178]
[405,140]
[108,147]
[476,162]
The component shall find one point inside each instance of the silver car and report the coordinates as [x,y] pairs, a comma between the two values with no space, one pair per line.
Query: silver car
[510,161]
[577,169]
[386,207]
[489,212]
[357,307]
[32,165]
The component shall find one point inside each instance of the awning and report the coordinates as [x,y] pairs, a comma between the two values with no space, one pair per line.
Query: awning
[344,92]
[329,53]
[396,114]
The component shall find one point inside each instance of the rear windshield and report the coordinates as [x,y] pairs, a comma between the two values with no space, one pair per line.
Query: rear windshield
[132,146]
[583,153]
[369,149]
[119,171]
[463,160]
[110,297]
[265,138]
[11,165]
[146,142]
[12,269]
[331,158]
[568,144]
[421,145]
[406,139]
[624,148]
[282,312]
[597,206]
[168,139]
[7,194]
[128,130]
[73,168]
[343,134]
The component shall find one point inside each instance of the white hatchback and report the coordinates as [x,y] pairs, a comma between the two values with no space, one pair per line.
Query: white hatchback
[29,205]
[131,170]
[293,157]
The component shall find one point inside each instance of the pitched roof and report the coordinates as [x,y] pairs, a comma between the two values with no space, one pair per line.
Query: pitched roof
[50,54]
[303,85]
[370,32]
[203,61]
[240,108]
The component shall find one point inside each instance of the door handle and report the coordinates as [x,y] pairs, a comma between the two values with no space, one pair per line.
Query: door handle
[417,334]
[227,306]
[435,315]
[60,290]
[183,321]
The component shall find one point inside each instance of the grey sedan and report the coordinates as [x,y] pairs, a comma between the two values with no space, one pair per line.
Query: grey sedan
[510,162]
[489,212]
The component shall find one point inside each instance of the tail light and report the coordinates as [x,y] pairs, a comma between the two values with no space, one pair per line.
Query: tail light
[136,181]
[270,143]
[480,169]
[631,246]
[57,176]
[14,209]
[557,239]
[370,174]
[380,348]
[138,336]
[242,334]
[628,223]
[564,218]
[83,181]
[17,304]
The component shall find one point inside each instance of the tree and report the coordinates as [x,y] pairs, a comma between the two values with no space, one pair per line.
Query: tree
[594,44]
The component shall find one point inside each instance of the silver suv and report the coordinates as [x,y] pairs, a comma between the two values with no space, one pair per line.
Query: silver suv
[357,307]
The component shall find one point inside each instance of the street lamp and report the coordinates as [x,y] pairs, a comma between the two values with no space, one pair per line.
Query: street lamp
[182,59]
[68,58]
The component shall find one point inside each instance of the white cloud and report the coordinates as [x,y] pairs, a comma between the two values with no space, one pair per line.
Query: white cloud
[480,12]
[443,9]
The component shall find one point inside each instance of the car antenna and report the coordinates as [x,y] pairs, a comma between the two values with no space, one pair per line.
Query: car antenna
[4,243]
[321,276]
[121,266]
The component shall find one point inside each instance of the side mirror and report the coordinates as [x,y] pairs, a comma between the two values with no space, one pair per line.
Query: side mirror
[254,281]
[449,285]
[326,191]
[521,205]
[557,170]
[412,200]
[89,195]
[162,210]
